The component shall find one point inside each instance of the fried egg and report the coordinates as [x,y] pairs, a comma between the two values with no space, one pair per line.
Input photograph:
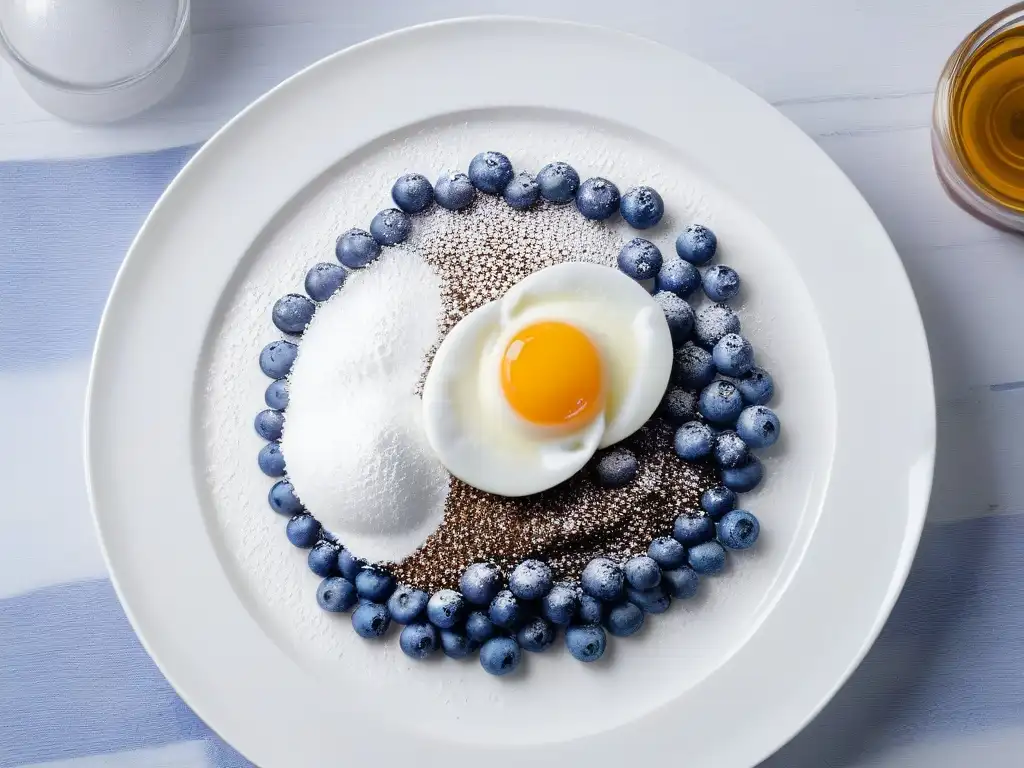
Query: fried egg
[525,389]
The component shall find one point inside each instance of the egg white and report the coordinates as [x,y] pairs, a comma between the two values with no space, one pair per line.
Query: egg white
[470,425]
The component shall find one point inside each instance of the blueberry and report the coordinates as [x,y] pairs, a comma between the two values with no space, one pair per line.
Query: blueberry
[446,608]
[738,529]
[721,283]
[692,367]
[602,578]
[678,406]
[717,501]
[269,424]
[412,193]
[277,358]
[356,249]
[271,460]
[759,426]
[707,558]
[456,645]
[642,207]
[558,182]
[390,226]
[323,280]
[667,552]
[597,198]
[616,468]
[591,610]
[678,277]
[639,259]
[696,244]
[745,478]
[479,626]
[681,583]
[500,655]
[678,314]
[522,192]
[730,450]
[714,322]
[276,396]
[505,610]
[323,558]
[490,172]
[418,641]
[624,619]
[720,402]
[454,191]
[559,605]
[642,572]
[480,582]
[336,594]
[693,441]
[733,355]
[374,584]
[585,642]
[693,530]
[283,500]
[303,531]
[407,605]
[530,580]
[756,387]
[653,600]
[292,313]
[350,565]
[536,635]
[371,620]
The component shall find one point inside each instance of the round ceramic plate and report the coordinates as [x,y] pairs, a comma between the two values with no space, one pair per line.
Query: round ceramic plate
[226,607]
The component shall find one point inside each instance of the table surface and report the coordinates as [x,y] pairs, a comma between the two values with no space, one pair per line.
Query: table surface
[856,75]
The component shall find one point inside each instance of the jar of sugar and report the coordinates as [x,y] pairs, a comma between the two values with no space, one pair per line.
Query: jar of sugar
[96,60]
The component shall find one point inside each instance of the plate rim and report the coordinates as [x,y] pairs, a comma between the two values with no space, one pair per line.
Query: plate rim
[918,505]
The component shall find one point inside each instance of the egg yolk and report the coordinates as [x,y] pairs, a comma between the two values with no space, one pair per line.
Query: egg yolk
[551,375]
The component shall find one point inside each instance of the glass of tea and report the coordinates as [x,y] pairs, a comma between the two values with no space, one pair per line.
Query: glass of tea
[978,121]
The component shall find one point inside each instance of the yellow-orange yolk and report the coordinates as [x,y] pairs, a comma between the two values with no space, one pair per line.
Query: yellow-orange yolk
[551,375]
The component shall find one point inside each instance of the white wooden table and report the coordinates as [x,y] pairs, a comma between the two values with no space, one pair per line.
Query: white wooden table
[857,75]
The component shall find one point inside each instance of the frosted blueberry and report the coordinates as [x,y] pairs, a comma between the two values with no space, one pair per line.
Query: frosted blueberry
[418,641]
[479,626]
[642,572]
[480,582]
[271,460]
[412,193]
[679,315]
[522,192]
[446,608]
[374,584]
[714,322]
[530,580]
[454,191]
[456,645]
[721,283]
[678,406]
[692,368]
[283,500]
[681,583]
[696,244]
[277,358]
[303,531]
[292,313]
[717,501]
[371,620]
[500,655]
[490,172]
[720,402]
[323,280]
[642,207]
[667,552]
[733,355]
[693,530]
[559,605]
[585,642]
[408,605]
[536,635]
[693,441]
[505,611]
[756,387]
[639,259]
[591,610]
[597,198]
[350,565]
[707,558]
[276,396]
[678,277]
[269,424]
[744,478]
[356,248]
[624,619]
[738,529]
[616,468]
[759,426]
[730,450]
[323,558]
[390,226]
[336,594]
[558,182]
[602,578]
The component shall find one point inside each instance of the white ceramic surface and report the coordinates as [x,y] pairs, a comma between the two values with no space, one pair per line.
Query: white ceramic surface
[773,639]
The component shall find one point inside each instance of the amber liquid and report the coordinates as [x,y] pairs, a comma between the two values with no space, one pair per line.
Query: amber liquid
[987,111]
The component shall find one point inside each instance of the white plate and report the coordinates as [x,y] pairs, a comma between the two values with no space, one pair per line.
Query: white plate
[226,607]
